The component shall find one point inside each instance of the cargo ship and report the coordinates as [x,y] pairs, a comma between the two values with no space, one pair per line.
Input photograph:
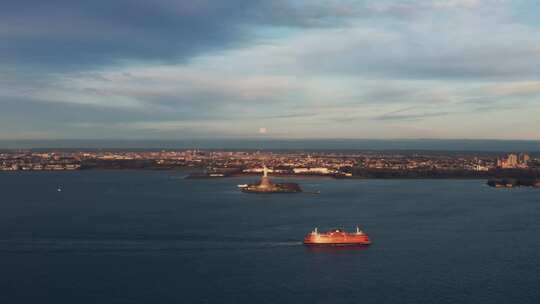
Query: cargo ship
[337,237]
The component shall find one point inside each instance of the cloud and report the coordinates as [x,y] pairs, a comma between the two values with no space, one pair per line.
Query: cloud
[67,34]
[519,89]
[469,49]
[416,116]
[297,67]
[77,34]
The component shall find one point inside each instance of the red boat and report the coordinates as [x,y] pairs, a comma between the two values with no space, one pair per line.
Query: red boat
[337,237]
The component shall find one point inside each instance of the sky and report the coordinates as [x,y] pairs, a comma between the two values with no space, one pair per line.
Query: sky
[290,69]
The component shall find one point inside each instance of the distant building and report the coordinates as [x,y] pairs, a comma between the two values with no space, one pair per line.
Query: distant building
[320,170]
[258,170]
[480,168]
[524,158]
[514,161]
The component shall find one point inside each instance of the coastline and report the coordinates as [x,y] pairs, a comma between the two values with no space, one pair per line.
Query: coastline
[198,173]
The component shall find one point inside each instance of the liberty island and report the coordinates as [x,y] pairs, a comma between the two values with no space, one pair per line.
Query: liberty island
[266,186]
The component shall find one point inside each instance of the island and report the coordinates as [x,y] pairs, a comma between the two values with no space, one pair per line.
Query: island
[514,182]
[266,186]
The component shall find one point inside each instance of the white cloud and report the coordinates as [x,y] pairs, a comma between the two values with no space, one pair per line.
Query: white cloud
[372,77]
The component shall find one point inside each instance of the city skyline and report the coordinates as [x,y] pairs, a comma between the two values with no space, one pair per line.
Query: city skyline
[281,69]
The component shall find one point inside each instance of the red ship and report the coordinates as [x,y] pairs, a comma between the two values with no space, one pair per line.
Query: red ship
[337,237]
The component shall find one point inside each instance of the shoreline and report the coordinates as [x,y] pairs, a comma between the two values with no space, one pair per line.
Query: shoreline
[195,173]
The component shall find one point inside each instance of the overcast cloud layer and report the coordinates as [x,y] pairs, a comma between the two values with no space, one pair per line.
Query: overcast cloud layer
[300,69]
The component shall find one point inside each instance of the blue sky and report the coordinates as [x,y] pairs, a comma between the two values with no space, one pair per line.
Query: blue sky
[164,69]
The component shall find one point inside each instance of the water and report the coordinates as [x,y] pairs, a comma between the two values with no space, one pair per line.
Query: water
[153,237]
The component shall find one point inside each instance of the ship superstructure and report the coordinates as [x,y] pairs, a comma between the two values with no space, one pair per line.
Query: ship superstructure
[337,237]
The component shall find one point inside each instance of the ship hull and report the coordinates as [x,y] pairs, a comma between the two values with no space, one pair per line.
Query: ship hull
[336,239]
[338,244]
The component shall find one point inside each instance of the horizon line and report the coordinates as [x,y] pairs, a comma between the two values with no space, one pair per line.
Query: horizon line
[267,138]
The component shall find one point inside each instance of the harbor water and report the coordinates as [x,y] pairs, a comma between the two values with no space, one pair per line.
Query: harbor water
[155,237]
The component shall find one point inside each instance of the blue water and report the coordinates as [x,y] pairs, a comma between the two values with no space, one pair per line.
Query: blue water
[153,237]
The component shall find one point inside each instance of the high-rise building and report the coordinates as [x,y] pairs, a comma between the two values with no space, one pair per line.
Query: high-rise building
[524,158]
[513,161]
